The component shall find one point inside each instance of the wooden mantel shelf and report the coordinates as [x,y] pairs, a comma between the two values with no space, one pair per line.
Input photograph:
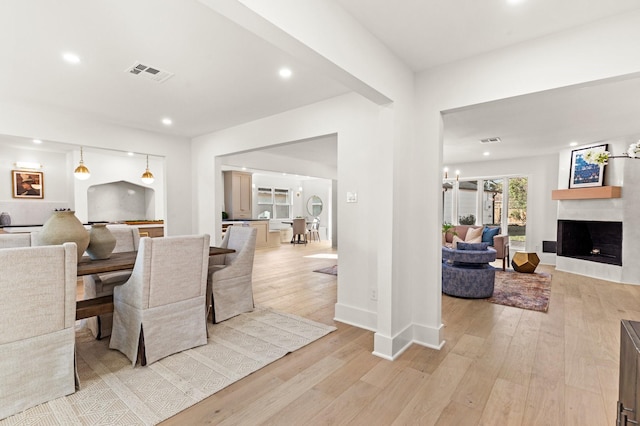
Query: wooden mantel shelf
[587,193]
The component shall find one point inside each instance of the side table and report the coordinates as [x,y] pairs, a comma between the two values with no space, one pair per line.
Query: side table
[525,262]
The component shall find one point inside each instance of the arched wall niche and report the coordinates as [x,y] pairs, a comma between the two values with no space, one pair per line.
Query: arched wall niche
[120,201]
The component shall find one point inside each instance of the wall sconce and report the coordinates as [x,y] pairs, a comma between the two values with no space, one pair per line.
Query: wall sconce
[457,175]
[446,173]
[82,172]
[147,176]
[23,165]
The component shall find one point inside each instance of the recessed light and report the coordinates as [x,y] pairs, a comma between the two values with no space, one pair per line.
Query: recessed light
[486,153]
[573,144]
[72,58]
[167,121]
[38,141]
[285,72]
[130,154]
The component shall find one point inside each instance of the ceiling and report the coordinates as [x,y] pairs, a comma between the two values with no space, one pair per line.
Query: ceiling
[224,75]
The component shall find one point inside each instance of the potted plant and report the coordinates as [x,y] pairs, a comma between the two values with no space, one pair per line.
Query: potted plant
[447,228]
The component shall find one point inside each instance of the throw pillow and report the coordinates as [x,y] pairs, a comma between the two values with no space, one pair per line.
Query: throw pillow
[474,235]
[473,246]
[456,240]
[488,233]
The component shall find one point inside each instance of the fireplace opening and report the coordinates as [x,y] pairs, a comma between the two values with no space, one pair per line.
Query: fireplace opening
[595,241]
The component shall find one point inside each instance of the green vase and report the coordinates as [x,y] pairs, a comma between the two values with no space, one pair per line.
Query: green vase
[101,242]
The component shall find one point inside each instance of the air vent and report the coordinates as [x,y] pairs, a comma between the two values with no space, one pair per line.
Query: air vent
[148,72]
[490,140]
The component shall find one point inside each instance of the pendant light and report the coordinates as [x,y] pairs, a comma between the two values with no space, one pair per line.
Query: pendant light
[81,172]
[147,176]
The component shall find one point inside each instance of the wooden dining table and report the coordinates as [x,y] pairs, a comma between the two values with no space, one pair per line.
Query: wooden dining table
[116,262]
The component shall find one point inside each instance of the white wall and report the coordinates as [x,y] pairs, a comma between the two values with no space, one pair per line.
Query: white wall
[108,167]
[354,120]
[55,195]
[60,126]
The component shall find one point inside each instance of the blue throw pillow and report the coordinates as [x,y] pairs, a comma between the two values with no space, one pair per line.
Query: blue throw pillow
[488,234]
[473,246]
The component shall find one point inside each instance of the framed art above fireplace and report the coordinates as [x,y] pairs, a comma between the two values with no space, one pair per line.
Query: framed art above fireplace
[584,174]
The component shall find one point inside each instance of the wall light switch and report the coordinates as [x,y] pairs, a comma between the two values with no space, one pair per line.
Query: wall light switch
[352,197]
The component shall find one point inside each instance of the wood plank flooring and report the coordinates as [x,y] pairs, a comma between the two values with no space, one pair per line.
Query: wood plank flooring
[499,366]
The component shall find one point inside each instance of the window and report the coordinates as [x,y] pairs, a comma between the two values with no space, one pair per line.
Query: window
[492,202]
[467,202]
[502,202]
[282,203]
[274,201]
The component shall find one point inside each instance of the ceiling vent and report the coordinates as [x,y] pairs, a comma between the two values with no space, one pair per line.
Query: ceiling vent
[150,73]
[490,140]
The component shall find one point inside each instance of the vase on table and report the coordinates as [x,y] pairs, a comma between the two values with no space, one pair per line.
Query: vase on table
[5,219]
[101,242]
[64,227]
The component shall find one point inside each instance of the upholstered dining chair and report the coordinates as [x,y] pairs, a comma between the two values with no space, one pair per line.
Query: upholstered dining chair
[160,310]
[229,286]
[127,239]
[299,231]
[37,332]
[15,240]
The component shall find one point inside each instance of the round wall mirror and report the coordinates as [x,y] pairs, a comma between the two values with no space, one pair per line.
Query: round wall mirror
[314,205]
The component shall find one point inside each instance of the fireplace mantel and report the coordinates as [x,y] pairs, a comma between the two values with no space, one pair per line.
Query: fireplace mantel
[587,193]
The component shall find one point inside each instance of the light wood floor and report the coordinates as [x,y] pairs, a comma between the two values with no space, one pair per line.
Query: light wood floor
[500,365]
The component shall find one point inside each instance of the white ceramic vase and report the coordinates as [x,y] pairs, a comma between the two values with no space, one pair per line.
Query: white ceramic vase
[101,242]
[64,227]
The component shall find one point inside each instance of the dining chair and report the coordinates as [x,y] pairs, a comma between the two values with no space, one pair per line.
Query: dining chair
[98,285]
[161,308]
[15,240]
[299,231]
[314,230]
[37,336]
[229,286]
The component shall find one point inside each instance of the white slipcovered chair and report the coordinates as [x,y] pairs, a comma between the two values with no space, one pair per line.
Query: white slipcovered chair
[127,239]
[161,309]
[229,285]
[314,230]
[37,325]
[15,240]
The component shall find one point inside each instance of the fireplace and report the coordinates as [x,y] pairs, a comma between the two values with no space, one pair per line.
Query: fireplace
[595,241]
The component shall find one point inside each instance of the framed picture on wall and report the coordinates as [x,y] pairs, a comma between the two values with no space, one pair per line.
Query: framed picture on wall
[27,184]
[585,174]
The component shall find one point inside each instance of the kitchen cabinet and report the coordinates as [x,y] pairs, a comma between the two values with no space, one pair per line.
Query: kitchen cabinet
[237,194]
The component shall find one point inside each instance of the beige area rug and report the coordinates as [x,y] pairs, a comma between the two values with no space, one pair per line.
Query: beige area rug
[114,393]
[526,291]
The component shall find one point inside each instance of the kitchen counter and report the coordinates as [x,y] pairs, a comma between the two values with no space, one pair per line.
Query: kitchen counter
[266,237]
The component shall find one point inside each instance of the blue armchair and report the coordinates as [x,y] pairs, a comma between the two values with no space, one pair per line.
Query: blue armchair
[466,271]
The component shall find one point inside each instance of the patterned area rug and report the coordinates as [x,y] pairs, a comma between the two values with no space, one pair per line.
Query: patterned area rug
[114,393]
[332,270]
[526,291]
